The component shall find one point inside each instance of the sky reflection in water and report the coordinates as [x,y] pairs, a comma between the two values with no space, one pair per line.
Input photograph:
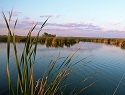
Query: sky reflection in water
[107,60]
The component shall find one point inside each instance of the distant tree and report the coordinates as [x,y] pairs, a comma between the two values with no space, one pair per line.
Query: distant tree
[47,35]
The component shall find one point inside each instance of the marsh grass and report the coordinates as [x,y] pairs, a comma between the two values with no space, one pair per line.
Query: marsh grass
[52,81]
[68,41]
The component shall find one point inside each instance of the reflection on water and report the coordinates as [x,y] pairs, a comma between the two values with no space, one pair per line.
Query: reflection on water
[56,45]
[82,46]
[107,60]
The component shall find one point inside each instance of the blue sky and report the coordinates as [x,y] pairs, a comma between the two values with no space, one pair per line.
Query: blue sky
[87,18]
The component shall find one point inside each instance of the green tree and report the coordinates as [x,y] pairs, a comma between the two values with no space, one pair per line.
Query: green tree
[48,35]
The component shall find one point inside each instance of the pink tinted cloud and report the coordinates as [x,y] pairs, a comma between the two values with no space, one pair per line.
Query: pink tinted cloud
[58,16]
[67,29]
[16,13]
[46,16]
[28,22]
[26,18]
[79,26]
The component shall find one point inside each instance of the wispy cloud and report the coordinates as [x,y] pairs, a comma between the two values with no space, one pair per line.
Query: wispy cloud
[25,24]
[16,13]
[26,18]
[28,22]
[81,26]
[46,16]
[68,29]
[2,25]
[58,16]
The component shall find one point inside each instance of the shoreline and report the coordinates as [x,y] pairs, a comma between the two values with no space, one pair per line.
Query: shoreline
[60,41]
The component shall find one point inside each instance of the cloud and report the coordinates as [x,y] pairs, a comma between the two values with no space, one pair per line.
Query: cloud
[28,23]
[26,18]
[67,29]
[77,26]
[46,16]
[21,26]
[16,13]
[115,32]
[71,25]
[59,27]
[2,25]
[18,26]
[58,16]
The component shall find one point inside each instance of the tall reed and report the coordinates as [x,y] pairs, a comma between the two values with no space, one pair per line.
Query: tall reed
[25,67]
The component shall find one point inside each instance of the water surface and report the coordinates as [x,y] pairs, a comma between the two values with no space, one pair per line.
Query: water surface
[106,63]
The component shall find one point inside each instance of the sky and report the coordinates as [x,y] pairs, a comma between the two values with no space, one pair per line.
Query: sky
[78,18]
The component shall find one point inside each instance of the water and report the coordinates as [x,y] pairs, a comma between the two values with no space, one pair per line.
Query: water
[106,63]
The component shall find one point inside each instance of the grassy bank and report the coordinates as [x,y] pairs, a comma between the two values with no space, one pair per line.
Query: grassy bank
[49,41]
[68,41]
[120,42]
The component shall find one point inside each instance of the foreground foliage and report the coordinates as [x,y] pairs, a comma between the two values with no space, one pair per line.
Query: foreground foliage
[25,67]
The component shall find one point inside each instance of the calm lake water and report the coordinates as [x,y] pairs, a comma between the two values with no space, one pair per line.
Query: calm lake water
[105,62]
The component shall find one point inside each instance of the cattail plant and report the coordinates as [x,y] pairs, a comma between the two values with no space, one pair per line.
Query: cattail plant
[46,85]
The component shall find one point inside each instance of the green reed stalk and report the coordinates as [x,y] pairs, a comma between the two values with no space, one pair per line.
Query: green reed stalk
[25,67]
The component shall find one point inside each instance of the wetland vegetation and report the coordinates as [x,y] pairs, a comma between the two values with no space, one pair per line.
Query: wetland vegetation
[54,75]
[53,41]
